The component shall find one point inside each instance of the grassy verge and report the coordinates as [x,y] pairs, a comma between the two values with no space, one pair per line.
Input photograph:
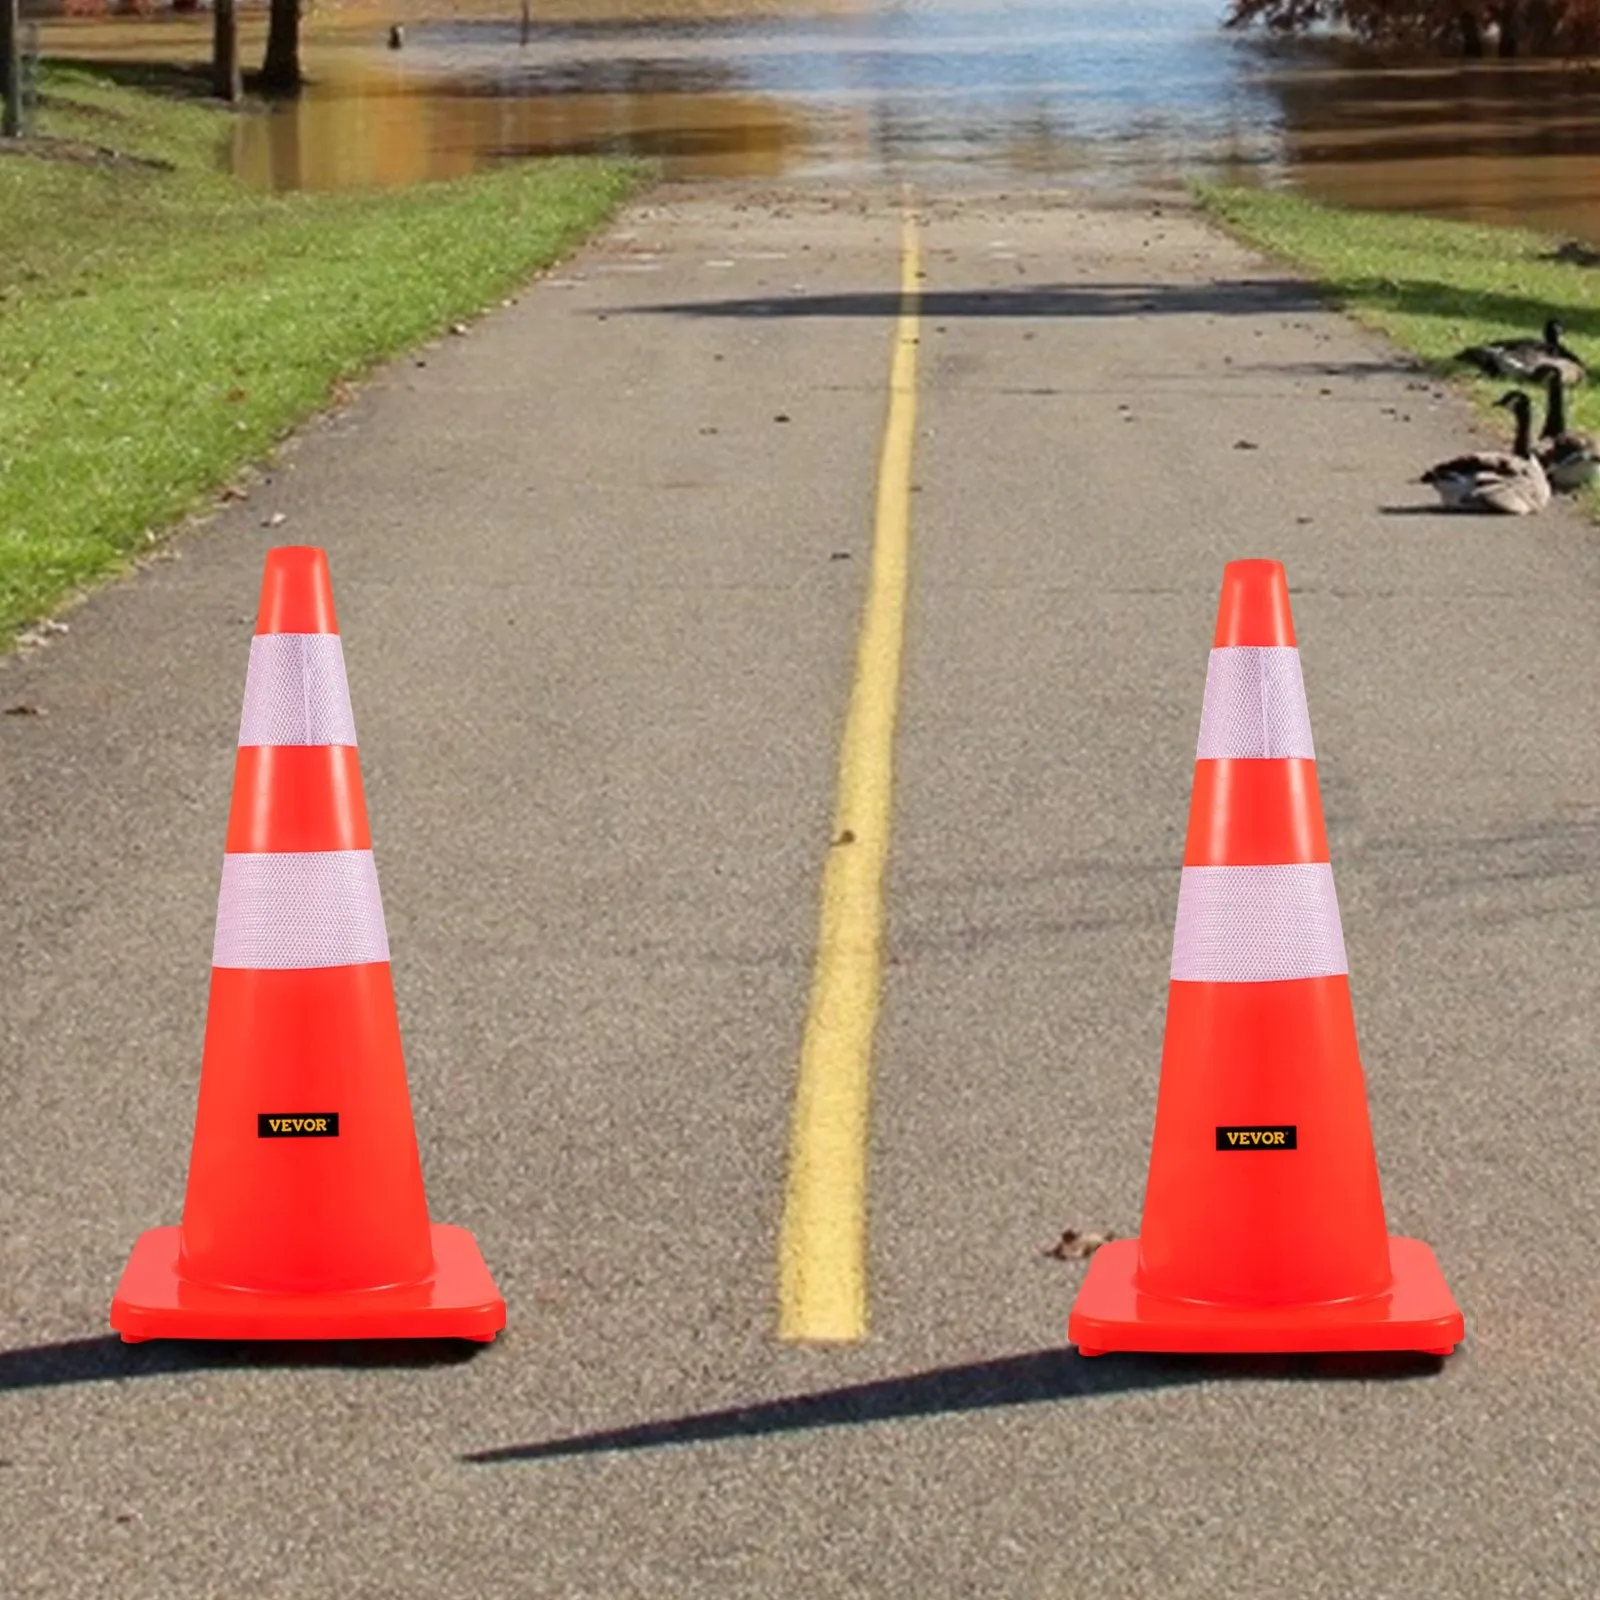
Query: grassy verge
[161,325]
[1430,286]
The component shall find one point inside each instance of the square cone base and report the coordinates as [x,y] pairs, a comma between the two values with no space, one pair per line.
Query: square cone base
[459,1301]
[1418,1313]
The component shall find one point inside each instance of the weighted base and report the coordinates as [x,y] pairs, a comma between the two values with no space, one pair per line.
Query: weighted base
[1417,1313]
[459,1301]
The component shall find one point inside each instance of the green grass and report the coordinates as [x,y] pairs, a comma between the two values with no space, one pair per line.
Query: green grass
[161,326]
[1432,287]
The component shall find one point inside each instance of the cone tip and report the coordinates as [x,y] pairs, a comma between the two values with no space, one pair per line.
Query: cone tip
[297,592]
[1255,605]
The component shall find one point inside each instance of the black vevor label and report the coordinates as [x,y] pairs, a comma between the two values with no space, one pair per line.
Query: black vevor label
[1280,1136]
[297,1125]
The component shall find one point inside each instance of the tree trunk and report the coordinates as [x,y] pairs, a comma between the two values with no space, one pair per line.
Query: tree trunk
[1471,34]
[280,72]
[225,78]
[11,69]
[1540,27]
[1508,34]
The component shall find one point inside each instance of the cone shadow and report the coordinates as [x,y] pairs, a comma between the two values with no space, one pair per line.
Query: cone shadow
[1044,1375]
[109,1358]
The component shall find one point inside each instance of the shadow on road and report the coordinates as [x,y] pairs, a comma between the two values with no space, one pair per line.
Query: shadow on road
[1013,1381]
[1400,364]
[1240,297]
[94,1360]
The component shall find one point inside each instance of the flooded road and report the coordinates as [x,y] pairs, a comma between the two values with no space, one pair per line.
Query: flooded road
[1096,92]
[932,88]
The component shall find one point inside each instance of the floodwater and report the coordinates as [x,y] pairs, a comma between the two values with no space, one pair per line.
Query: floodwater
[1096,92]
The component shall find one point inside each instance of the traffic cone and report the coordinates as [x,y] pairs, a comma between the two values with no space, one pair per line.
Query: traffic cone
[305,1216]
[1263,1224]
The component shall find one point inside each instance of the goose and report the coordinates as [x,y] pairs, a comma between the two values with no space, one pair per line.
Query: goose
[1522,358]
[1569,459]
[1496,480]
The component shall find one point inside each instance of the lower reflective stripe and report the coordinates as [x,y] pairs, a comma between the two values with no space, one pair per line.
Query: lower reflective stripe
[318,908]
[1255,704]
[1258,924]
[296,691]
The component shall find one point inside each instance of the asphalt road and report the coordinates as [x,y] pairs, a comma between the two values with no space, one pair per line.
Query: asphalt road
[599,606]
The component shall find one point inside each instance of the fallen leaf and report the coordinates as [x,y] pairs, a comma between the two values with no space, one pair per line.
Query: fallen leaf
[1075,1246]
[277,519]
[1245,444]
[22,710]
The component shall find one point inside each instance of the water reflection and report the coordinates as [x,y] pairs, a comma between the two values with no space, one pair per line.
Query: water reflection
[1084,91]
[950,84]
[1485,142]
[366,126]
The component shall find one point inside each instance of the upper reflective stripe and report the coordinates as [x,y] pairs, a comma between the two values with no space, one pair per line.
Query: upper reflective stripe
[296,691]
[315,908]
[1255,704]
[1258,924]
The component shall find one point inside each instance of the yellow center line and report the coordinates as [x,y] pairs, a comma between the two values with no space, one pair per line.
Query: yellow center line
[822,1257]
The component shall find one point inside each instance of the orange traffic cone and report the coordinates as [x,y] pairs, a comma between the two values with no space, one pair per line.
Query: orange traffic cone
[305,1216]
[1263,1223]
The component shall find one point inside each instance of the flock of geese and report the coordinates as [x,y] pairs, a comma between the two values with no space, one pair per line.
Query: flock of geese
[1521,480]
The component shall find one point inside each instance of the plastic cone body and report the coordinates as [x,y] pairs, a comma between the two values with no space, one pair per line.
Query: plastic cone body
[305,1215]
[1263,1223]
